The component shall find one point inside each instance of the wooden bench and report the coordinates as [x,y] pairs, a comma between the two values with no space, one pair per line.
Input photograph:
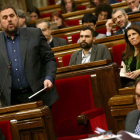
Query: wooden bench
[52,8]
[121,105]
[100,25]
[79,14]
[105,84]
[109,42]
[29,121]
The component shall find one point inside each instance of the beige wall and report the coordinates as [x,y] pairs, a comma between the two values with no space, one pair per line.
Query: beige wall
[40,3]
[18,4]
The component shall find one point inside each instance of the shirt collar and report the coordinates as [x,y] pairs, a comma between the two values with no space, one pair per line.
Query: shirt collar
[126,27]
[139,7]
[89,52]
[6,36]
[50,40]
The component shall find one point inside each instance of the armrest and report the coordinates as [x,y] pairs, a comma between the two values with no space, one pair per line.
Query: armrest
[87,115]
[127,90]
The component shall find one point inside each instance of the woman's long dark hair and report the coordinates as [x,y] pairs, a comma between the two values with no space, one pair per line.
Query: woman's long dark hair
[74,7]
[129,49]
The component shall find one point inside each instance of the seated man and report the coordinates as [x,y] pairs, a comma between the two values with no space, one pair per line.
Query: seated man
[46,30]
[90,51]
[90,20]
[22,18]
[132,121]
[120,18]
[133,6]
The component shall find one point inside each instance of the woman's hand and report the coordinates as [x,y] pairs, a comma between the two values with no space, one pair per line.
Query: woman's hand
[133,74]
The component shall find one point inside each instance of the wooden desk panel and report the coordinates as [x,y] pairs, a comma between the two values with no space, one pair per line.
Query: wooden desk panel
[107,83]
[30,121]
[120,106]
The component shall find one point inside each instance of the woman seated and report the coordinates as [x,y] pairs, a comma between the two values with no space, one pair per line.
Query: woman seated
[131,56]
[68,6]
[94,3]
[57,18]
[103,11]
[34,13]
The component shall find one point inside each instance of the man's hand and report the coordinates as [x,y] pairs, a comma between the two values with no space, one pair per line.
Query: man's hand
[135,9]
[48,83]
[109,24]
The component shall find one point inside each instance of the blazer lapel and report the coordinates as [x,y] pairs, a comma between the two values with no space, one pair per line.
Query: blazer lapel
[93,53]
[79,57]
[3,49]
[23,44]
[55,42]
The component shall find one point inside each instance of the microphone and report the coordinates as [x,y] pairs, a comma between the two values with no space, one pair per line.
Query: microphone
[5,77]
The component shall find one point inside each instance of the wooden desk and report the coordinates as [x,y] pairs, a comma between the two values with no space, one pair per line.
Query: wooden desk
[109,42]
[100,25]
[30,121]
[52,8]
[121,105]
[105,85]
[76,14]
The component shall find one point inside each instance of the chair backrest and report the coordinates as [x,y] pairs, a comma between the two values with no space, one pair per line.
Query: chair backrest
[74,22]
[82,7]
[117,51]
[103,31]
[6,129]
[66,60]
[75,97]
[75,38]
[45,15]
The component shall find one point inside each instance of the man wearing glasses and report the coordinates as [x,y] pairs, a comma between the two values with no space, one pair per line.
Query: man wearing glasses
[132,122]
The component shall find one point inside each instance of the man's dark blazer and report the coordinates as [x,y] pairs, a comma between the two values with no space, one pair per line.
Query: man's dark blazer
[120,30]
[131,120]
[59,41]
[98,52]
[38,62]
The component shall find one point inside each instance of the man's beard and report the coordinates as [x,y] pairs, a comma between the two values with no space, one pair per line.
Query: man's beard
[86,45]
[125,24]
[12,31]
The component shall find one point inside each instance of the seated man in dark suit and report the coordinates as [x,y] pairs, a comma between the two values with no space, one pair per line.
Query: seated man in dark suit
[133,6]
[132,121]
[90,51]
[120,18]
[44,25]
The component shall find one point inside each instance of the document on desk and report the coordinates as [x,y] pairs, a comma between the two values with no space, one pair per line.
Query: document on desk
[128,136]
[37,92]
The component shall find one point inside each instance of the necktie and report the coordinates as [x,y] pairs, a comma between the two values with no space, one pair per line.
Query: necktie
[137,129]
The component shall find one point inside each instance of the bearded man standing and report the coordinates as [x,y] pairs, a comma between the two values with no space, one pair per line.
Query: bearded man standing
[90,51]
[27,63]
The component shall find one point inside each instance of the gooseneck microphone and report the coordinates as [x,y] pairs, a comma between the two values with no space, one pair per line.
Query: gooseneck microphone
[9,66]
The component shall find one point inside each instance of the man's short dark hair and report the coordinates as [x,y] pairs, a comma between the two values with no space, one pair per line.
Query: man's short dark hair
[41,21]
[88,28]
[103,7]
[137,81]
[4,7]
[89,17]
